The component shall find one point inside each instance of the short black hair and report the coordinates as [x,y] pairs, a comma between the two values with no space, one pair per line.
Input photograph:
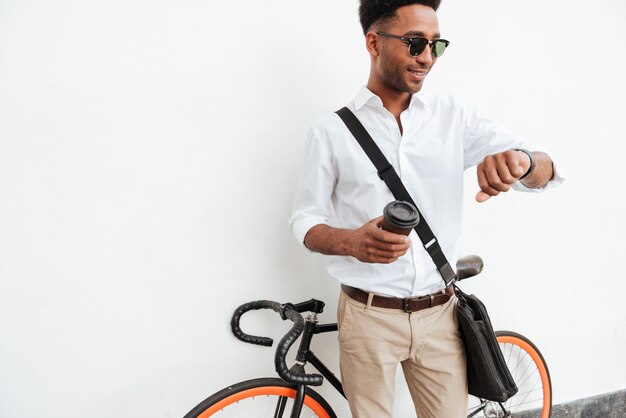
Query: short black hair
[376,11]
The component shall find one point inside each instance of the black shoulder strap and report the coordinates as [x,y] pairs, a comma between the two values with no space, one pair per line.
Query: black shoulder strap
[387,173]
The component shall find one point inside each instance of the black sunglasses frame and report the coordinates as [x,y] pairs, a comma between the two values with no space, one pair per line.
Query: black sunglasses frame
[420,42]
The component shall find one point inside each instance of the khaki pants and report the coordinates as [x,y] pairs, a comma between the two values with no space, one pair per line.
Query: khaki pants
[426,343]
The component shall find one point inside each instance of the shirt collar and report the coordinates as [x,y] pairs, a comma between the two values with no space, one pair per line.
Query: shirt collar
[365,96]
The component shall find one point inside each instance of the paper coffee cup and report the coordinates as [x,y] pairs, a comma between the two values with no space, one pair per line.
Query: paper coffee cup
[400,217]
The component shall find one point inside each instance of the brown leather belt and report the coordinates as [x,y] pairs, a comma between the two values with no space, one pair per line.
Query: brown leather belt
[405,304]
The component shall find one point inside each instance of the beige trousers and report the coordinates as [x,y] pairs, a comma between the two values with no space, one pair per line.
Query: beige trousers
[426,343]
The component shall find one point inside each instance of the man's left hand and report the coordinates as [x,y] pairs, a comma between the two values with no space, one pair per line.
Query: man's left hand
[499,171]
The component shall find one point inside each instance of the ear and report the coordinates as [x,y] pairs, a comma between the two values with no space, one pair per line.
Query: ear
[372,44]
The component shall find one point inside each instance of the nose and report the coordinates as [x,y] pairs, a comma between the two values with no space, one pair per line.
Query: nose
[426,58]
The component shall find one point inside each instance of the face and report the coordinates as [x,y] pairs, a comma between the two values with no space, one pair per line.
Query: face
[395,68]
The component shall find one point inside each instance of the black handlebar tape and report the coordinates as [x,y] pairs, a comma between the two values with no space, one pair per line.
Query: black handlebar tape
[281,352]
[247,338]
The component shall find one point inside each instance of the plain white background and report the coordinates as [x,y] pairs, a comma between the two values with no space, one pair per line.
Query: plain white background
[149,156]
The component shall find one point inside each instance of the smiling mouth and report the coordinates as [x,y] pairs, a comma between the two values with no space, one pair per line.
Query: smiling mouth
[418,73]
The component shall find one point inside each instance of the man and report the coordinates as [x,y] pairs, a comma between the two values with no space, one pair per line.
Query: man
[429,141]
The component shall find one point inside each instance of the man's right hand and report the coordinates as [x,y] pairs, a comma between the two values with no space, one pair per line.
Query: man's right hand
[371,244]
[368,244]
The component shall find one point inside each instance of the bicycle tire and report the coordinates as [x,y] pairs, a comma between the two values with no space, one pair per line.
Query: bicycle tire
[531,374]
[252,398]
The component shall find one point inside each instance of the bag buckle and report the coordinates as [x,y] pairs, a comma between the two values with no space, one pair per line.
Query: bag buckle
[381,173]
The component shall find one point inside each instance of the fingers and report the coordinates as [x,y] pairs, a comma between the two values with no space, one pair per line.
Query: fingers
[515,164]
[377,222]
[375,252]
[508,169]
[375,255]
[483,181]
[386,245]
[497,173]
[388,240]
[482,197]
[378,246]
[393,240]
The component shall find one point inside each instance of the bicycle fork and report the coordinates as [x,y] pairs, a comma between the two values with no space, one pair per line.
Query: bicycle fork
[298,401]
[297,404]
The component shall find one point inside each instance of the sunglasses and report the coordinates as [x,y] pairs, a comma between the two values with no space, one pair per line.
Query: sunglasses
[418,44]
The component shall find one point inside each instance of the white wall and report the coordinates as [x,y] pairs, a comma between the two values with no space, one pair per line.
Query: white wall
[149,156]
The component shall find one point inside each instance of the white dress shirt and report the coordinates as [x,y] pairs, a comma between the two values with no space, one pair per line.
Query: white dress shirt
[339,185]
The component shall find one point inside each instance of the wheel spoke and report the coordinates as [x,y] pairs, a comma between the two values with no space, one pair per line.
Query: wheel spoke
[280,407]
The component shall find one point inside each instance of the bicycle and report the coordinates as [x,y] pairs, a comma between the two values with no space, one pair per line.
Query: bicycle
[272,397]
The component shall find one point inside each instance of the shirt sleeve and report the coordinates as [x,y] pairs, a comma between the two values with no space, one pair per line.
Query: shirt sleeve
[312,204]
[483,136]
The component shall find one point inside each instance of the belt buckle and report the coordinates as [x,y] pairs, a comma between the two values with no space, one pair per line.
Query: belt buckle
[405,305]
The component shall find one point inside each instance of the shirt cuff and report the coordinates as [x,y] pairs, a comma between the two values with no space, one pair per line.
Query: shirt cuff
[302,226]
[557,179]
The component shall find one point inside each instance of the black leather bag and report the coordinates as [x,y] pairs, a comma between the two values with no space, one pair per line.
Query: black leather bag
[488,376]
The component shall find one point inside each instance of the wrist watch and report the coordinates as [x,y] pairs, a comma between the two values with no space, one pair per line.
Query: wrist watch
[532,162]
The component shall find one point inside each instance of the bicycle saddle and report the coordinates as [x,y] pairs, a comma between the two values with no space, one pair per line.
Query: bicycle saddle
[469,266]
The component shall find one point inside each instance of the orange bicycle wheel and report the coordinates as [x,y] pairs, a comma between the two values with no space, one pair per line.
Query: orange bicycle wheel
[530,372]
[260,398]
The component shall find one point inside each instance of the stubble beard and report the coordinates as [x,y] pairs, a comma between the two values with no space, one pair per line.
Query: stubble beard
[394,77]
